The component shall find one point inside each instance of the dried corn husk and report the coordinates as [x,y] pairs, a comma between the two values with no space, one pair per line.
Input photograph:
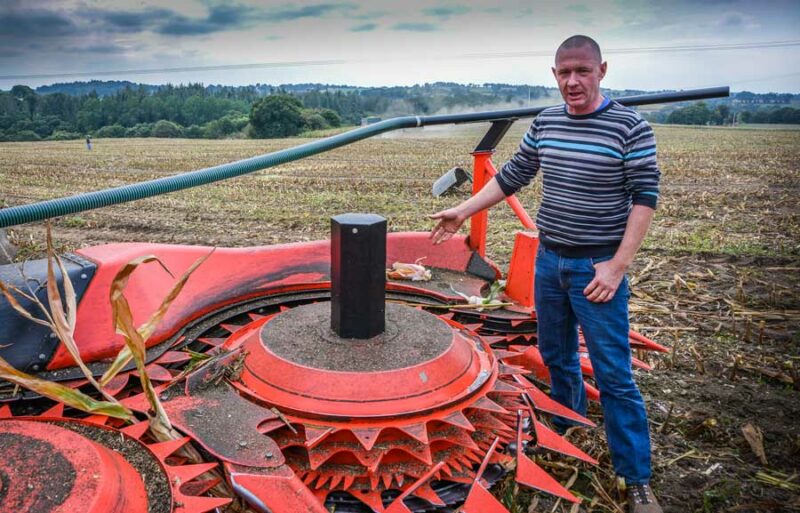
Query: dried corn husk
[413,272]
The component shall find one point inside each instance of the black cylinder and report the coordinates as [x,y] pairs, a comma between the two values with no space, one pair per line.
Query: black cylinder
[358,275]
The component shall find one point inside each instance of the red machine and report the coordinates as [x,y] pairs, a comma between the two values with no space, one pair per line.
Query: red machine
[328,387]
[402,419]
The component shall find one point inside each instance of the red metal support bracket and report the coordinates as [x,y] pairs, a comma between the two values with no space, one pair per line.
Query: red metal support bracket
[519,284]
[479,222]
[521,271]
[483,170]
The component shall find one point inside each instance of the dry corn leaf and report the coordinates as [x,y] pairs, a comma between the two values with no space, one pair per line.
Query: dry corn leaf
[123,324]
[147,329]
[7,292]
[413,272]
[60,393]
[63,322]
[755,438]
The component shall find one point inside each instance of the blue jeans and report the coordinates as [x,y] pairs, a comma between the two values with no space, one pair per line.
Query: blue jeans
[560,308]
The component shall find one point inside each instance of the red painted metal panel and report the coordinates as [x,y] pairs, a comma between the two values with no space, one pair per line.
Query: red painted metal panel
[521,271]
[479,222]
[228,276]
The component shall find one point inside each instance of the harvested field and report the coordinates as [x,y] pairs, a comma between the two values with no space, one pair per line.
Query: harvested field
[717,280]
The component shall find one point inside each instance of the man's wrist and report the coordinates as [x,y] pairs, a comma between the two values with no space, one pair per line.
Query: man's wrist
[461,215]
[621,263]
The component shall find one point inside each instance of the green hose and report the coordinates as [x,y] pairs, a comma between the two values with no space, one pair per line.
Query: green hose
[88,201]
[81,202]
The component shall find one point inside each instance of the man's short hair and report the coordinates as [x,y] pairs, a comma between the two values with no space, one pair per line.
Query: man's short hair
[579,41]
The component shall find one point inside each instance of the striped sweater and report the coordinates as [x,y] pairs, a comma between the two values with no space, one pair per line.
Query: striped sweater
[594,168]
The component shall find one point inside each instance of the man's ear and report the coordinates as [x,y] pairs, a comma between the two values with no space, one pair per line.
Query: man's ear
[603,68]
[554,72]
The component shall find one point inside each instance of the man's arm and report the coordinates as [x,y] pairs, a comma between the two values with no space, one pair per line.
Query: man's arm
[450,220]
[514,174]
[609,274]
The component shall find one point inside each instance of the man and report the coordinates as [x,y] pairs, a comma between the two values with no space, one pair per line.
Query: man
[600,187]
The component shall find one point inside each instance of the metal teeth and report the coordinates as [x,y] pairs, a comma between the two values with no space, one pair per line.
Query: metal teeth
[367,459]
[231,328]
[212,341]
[392,457]
[315,435]
[58,411]
[549,439]
[416,431]
[459,420]
[186,490]
[367,437]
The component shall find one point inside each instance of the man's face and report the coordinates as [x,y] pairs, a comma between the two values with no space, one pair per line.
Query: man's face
[578,73]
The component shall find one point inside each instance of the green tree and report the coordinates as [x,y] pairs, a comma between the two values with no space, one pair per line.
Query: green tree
[111,131]
[24,135]
[696,114]
[27,96]
[313,120]
[164,128]
[90,117]
[139,130]
[277,115]
[331,117]
[224,126]
[724,113]
[194,132]
[62,135]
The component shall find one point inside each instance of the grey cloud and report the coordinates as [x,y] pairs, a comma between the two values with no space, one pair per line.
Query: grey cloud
[366,27]
[32,23]
[8,53]
[370,15]
[19,22]
[415,27]
[132,21]
[220,17]
[579,8]
[446,11]
[733,20]
[96,49]
[308,11]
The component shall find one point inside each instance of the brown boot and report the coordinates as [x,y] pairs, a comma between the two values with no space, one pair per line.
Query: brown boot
[642,500]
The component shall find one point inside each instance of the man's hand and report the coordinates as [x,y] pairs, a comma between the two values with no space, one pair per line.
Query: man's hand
[450,221]
[608,276]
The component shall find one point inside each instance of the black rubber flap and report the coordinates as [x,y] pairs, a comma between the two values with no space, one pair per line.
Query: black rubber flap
[24,344]
[479,267]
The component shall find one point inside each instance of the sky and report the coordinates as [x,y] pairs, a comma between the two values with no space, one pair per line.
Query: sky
[649,45]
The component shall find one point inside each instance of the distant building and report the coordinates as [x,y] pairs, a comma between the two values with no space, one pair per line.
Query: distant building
[371,120]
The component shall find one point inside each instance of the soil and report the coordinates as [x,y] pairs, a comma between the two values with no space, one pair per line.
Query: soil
[228,427]
[156,483]
[717,279]
[303,335]
[39,463]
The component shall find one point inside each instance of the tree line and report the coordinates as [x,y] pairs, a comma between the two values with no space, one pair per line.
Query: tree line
[125,109]
[701,113]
